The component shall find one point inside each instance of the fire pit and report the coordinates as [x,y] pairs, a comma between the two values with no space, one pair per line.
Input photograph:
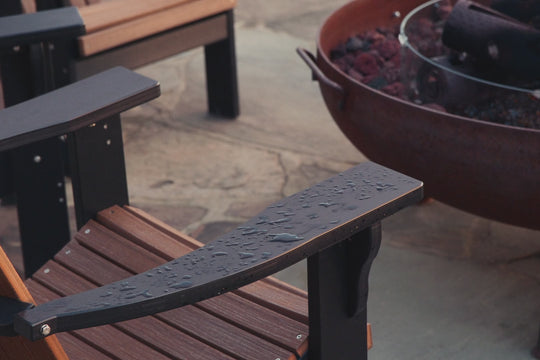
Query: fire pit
[486,168]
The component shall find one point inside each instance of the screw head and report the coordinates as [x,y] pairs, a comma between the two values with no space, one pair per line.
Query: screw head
[45,330]
[298,337]
[37,159]
[396,14]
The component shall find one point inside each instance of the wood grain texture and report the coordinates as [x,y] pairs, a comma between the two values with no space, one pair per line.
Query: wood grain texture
[151,24]
[106,14]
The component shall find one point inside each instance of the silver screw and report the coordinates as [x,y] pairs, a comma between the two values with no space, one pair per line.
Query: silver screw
[45,330]
[298,337]
[61,200]
[108,142]
[87,231]
[46,271]
[493,50]
[396,14]
[105,126]
[37,159]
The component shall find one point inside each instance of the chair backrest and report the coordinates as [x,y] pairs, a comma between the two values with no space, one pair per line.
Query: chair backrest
[13,348]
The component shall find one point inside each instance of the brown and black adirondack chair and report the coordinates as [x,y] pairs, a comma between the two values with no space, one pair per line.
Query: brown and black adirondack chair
[128,286]
[133,33]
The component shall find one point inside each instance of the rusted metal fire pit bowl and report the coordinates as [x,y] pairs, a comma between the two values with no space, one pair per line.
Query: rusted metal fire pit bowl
[484,168]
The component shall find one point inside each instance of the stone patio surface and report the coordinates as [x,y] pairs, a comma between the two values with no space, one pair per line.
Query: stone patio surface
[446,284]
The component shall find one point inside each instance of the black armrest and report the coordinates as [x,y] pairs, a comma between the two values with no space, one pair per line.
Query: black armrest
[74,106]
[40,26]
[283,234]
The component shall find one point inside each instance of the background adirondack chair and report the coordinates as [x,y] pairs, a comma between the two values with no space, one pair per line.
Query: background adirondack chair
[228,306]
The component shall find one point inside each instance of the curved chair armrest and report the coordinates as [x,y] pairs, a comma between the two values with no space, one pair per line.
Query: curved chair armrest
[283,234]
[74,106]
[41,26]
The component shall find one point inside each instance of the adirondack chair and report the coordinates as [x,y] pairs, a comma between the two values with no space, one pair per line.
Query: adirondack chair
[73,44]
[133,33]
[207,302]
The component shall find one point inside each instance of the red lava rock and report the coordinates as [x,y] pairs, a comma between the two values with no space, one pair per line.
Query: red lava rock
[396,60]
[366,64]
[387,48]
[424,28]
[390,72]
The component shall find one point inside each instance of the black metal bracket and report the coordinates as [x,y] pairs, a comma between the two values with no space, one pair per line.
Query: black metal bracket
[8,308]
[360,256]
[338,290]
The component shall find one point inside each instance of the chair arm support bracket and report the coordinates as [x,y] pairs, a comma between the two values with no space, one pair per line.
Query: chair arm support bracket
[359,259]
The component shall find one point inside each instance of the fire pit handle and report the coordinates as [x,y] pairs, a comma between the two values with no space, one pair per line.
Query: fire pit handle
[318,75]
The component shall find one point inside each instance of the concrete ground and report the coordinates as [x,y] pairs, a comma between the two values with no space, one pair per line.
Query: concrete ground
[446,284]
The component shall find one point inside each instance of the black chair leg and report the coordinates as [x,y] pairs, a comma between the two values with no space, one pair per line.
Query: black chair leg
[38,173]
[221,75]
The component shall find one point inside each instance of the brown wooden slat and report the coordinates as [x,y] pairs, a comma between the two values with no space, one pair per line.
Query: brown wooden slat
[185,239]
[79,350]
[117,249]
[157,47]
[84,263]
[11,285]
[276,299]
[168,339]
[152,24]
[132,228]
[28,6]
[110,13]
[222,335]
[257,319]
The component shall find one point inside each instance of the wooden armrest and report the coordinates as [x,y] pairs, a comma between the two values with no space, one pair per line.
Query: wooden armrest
[285,233]
[40,26]
[74,106]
